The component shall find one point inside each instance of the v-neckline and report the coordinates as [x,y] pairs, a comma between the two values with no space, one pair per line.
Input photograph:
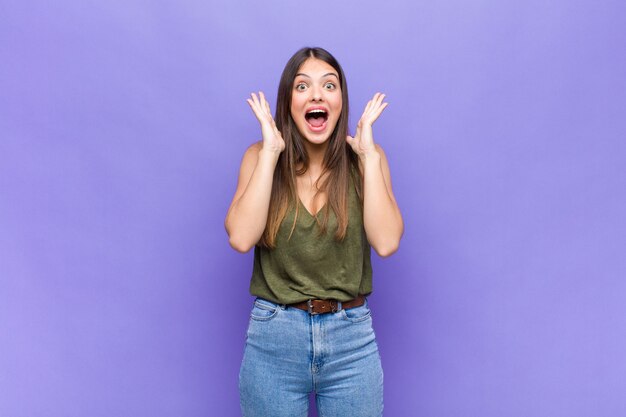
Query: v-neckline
[307,210]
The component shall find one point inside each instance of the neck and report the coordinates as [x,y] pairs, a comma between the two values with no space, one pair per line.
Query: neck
[316,155]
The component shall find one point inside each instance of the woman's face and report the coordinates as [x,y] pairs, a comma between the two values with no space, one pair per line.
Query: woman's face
[316,100]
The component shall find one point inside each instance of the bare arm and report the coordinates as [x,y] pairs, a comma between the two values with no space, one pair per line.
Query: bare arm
[247,215]
[381,216]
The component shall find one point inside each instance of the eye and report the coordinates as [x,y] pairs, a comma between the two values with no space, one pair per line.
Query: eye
[301,87]
[330,86]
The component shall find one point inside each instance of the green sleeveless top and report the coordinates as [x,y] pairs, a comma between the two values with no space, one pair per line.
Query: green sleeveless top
[310,265]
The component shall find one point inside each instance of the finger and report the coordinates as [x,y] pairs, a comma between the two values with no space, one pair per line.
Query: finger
[375,98]
[378,111]
[357,134]
[255,99]
[267,108]
[367,107]
[261,106]
[252,104]
[376,103]
[257,106]
[255,109]
[264,103]
[380,99]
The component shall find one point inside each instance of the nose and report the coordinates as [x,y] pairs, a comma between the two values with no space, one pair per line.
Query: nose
[316,93]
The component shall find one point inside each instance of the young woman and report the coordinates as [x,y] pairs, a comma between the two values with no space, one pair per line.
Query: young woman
[312,200]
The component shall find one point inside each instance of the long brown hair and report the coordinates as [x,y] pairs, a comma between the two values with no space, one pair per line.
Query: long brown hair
[340,162]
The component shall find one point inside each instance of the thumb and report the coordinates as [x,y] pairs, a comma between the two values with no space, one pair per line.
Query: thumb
[350,140]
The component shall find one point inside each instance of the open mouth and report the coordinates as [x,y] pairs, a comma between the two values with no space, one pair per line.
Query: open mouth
[316,119]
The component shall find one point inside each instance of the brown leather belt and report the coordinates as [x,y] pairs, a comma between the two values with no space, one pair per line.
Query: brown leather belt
[328,306]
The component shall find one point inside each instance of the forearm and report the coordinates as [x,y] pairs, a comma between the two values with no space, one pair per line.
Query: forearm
[247,218]
[381,215]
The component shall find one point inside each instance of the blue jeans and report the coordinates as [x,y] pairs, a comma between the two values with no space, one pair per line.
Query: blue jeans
[290,353]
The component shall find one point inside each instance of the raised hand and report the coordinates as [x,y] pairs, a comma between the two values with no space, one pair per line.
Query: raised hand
[272,138]
[363,141]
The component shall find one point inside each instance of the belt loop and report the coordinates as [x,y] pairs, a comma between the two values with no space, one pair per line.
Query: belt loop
[339,306]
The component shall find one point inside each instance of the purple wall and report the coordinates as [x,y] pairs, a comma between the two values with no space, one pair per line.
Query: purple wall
[122,125]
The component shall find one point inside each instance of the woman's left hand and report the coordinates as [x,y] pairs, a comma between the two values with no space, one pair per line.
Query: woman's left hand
[363,141]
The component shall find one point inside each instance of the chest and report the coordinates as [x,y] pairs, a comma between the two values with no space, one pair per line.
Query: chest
[312,199]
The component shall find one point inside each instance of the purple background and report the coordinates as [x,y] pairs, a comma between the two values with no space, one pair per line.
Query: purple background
[122,125]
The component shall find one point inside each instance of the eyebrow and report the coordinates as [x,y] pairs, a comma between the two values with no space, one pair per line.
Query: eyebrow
[325,75]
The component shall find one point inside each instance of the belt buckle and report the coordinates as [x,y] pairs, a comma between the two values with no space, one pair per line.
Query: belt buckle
[335,306]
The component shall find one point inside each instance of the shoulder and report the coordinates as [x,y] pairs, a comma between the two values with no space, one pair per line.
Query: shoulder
[254,149]
[384,163]
[251,155]
[383,157]
[248,162]
[379,149]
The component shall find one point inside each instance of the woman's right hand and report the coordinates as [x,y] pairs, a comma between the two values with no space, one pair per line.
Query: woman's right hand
[272,138]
